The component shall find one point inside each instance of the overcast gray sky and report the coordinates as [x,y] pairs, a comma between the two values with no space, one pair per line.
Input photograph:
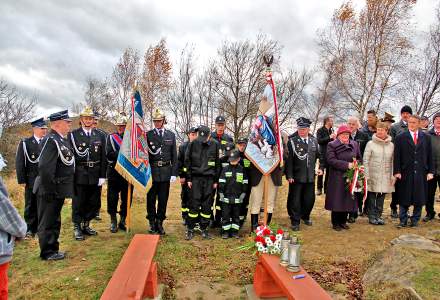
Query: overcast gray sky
[49,48]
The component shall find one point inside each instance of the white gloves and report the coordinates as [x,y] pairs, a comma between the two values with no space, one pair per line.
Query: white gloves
[101,181]
[173,179]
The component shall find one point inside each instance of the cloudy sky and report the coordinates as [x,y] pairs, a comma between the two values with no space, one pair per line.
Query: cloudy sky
[49,48]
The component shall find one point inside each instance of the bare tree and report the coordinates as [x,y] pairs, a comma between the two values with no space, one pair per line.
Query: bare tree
[291,91]
[239,79]
[422,80]
[181,101]
[15,107]
[123,79]
[367,50]
[156,77]
[205,96]
[98,97]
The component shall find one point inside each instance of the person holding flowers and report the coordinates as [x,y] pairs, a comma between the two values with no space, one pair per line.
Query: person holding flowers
[378,163]
[342,154]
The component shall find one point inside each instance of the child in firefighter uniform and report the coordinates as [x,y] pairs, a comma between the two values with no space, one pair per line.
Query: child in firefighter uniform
[246,164]
[203,170]
[232,190]
[185,193]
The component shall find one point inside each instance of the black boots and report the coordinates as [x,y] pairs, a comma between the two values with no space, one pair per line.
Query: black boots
[113,224]
[159,227]
[153,228]
[269,218]
[254,222]
[87,230]
[122,224]
[77,232]
[189,234]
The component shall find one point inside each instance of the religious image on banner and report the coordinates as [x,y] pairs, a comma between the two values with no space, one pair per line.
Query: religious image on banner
[132,161]
[264,147]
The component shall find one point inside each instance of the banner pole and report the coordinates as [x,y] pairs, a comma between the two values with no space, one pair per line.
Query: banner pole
[265,197]
[129,193]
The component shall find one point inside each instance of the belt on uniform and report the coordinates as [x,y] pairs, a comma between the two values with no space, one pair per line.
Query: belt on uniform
[160,163]
[89,164]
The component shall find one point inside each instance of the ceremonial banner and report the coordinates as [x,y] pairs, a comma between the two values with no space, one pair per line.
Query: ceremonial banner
[132,161]
[265,147]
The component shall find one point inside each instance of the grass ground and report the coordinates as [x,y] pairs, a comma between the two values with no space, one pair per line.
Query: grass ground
[205,269]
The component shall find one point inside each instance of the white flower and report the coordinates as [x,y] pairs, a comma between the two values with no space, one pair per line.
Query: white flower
[267,239]
[279,237]
[269,243]
[265,250]
[258,244]
[261,248]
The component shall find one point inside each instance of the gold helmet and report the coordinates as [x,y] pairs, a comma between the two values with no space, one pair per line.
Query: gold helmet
[87,112]
[158,115]
[121,120]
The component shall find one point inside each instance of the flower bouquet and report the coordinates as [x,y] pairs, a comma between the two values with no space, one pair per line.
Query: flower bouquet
[356,180]
[266,241]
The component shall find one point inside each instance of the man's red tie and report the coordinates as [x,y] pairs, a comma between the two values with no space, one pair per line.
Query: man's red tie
[415,138]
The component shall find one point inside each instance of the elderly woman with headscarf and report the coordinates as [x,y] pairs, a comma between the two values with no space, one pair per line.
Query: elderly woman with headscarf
[340,156]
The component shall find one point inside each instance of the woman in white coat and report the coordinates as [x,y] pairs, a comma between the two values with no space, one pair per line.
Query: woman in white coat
[378,162]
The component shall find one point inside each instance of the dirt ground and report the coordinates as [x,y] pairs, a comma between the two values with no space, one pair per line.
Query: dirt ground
[199,269]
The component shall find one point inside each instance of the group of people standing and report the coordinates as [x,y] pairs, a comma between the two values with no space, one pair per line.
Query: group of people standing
[401,159]
[219,183]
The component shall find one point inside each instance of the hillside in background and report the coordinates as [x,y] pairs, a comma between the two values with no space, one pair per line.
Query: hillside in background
[11,137]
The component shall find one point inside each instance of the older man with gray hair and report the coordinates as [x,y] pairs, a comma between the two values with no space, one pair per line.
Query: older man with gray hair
[362,139]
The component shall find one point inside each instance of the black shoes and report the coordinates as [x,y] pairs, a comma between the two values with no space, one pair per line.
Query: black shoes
[153,228]
[337,228]
[225,235]
[308,222]
[295,227]
[98,217]
[428,218]
[401,225]
[87,230]
[189,234]
[351,220]
[121,224]
[205,234]
[113,226]
[394,214]
[55,256]
[254,222]
[344,226]
[77,232]
[159,227]
[319,192]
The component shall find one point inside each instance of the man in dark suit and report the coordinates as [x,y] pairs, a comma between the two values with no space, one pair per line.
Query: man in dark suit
[300,173]
[435,182]
[54,183]
[26,167]
[324,135]
[117,186]
[90,174]
[395,130]
[104,134]
[163,160]
[413,167]
[362,139]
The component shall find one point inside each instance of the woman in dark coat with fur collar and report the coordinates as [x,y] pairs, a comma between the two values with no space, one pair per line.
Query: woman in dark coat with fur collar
[340,155]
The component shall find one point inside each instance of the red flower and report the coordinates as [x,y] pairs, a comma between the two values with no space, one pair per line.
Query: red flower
[266,231]
[260,239]
[280,231]
[272,238]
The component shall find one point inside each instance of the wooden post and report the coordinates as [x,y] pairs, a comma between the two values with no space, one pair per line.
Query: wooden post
[265,197]
[128,219]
